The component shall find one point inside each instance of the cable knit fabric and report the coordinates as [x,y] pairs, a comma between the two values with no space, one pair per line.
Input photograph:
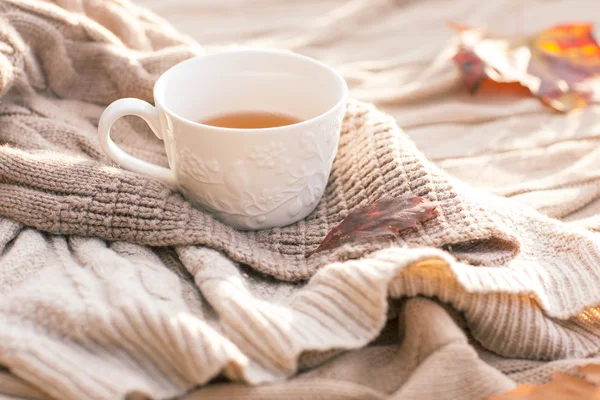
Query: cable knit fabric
[112,285]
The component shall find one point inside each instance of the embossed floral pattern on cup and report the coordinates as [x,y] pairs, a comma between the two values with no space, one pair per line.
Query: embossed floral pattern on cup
[302,166]
[272,155]
[206,171]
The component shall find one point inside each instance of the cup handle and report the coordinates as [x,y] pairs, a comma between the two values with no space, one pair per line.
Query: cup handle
[148,113]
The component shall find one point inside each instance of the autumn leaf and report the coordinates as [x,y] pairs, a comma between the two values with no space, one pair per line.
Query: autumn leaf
[556,65]
[563,386]
[385,217]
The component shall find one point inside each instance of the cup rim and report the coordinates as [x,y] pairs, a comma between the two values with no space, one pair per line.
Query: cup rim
[335,75]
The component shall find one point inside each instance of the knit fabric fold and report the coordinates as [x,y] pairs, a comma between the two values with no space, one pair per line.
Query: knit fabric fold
[112,284]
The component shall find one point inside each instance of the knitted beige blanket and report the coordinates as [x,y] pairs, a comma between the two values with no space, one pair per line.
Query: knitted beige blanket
[112,285]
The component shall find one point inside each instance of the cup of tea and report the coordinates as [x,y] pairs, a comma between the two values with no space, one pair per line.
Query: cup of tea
[250,135]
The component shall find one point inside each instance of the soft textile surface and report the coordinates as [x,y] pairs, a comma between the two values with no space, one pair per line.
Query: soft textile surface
[100,313]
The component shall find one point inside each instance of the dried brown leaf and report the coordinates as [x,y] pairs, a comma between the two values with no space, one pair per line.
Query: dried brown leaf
[556,65]
[386,217]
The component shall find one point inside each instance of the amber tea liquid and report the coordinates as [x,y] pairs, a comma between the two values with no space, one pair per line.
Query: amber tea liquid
[250,120]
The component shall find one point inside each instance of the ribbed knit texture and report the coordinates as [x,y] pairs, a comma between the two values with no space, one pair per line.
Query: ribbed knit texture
[111,284]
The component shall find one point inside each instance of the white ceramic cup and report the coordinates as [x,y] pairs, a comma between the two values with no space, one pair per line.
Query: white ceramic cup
[248,178]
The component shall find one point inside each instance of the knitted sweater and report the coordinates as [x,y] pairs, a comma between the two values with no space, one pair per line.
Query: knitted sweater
[112,284]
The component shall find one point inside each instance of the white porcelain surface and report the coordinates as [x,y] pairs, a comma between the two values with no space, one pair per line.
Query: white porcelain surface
[249,178]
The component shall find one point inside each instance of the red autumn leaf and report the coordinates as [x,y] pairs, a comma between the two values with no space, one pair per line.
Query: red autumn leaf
[556,65]
[386,217]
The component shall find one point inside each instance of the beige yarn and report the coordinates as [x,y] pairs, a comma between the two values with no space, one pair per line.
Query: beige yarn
[148,295]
